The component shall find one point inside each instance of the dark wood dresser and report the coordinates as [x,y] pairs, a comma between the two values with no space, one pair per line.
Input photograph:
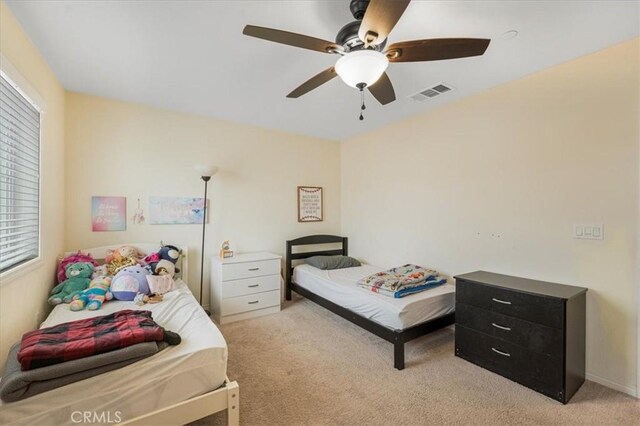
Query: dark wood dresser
[532,332]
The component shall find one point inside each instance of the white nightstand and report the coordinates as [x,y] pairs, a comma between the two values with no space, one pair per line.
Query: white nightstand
[245,286]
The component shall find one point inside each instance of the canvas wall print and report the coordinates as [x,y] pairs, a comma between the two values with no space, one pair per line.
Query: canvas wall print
[108,214]
[176,210]
[310,204]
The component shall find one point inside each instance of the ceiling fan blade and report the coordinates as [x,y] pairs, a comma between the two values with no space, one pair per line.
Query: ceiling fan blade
[436,49]
[379,19]
[382,90]
[314,82]
[291,39]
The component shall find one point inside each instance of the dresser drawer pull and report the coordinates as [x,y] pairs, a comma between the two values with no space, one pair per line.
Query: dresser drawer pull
[253,303]
[254,269]
[253,285]
[501,327]
[500,352]
[504,302]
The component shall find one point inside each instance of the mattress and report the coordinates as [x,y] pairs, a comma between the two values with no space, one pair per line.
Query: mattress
[339,286]
[194,367]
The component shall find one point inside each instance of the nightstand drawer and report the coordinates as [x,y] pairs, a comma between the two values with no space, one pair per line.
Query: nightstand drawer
[235,271]
[532,336]
[530,307]
[250,302]
[507,359]
[246,286]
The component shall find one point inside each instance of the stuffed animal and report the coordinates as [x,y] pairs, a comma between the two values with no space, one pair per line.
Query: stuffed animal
[130,281]
[100,271]
[78,278]
[73,258]
[143,299]
[116,265]
[164,267]
[123,252]
[93,297]
[121,258]
[159,262]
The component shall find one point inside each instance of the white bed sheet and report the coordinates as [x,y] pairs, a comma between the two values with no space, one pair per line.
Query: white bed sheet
[339,286]
[194,367]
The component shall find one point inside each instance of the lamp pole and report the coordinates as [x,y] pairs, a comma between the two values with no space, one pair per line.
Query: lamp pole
[206,180]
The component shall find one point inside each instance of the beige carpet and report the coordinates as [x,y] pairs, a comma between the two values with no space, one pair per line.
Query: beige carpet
[307,366]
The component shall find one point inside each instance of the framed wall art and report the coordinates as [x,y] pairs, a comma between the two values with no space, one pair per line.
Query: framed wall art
[310,208]
[108,214]
[176,210]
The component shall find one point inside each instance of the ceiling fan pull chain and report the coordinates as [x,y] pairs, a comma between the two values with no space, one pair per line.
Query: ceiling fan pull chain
[362,107]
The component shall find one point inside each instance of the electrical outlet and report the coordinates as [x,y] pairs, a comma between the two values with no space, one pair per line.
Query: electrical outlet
[588,231]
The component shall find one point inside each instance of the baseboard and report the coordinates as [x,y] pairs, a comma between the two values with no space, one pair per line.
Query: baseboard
[612,385]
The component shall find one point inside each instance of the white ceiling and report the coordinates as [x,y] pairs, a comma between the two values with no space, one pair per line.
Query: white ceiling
[191,56]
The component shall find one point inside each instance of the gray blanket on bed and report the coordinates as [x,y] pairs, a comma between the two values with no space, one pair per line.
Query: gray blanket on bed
[17,384]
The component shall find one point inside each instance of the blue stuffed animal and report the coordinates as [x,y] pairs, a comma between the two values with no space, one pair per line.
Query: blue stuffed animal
[164,261]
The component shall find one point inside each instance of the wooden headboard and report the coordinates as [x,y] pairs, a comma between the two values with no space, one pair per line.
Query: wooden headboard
[313,240]
[146,248]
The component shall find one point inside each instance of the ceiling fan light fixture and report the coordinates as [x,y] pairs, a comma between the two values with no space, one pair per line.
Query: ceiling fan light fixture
[361,66]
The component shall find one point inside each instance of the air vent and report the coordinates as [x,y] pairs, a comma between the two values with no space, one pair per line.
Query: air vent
[431,92]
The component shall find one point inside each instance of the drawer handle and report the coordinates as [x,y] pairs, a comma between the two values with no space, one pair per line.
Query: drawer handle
[504,302]
[501,327]
[254,269]
[254,302]
[253,285]
[500,352]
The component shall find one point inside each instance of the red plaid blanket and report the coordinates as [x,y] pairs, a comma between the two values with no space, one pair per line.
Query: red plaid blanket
[83,338]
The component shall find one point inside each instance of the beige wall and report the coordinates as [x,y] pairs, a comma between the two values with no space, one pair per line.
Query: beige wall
[123,149]
[22,300]
[497,180]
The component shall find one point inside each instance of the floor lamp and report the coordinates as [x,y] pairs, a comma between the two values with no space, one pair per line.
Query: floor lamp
[206,173]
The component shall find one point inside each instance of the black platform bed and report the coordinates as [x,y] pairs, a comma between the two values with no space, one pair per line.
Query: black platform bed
[397,337]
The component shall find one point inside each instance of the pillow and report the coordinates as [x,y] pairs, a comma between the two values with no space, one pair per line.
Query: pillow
[332,262]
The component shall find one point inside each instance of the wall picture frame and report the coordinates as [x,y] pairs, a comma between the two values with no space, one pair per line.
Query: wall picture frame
[176,211]
[310,204]
[108,214]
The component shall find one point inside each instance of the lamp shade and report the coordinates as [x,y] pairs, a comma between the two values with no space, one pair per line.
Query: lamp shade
[206,169]
[361,66]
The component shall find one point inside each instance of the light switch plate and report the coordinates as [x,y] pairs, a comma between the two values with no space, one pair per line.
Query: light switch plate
[588,231]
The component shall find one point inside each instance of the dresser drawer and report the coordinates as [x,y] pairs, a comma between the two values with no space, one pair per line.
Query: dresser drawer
[509,360]
[532,336]
[246,286]
[538,309]
[250,302]
[235,271]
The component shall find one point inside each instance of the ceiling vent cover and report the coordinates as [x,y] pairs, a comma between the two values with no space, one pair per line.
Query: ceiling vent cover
[432,92]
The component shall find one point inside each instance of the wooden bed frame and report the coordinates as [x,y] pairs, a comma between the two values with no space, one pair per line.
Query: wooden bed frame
[397,337]
[226,397]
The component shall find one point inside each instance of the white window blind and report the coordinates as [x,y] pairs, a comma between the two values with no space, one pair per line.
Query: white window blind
[19,178]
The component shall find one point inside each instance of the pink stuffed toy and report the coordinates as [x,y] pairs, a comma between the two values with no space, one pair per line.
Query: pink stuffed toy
[73,258]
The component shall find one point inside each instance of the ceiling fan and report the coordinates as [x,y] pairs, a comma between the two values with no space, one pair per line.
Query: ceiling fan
[361,46]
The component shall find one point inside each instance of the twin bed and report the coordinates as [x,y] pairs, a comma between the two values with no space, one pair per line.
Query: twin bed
[395,320]
[178,385]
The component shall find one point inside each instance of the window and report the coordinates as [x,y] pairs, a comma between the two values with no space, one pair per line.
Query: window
[19,177]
